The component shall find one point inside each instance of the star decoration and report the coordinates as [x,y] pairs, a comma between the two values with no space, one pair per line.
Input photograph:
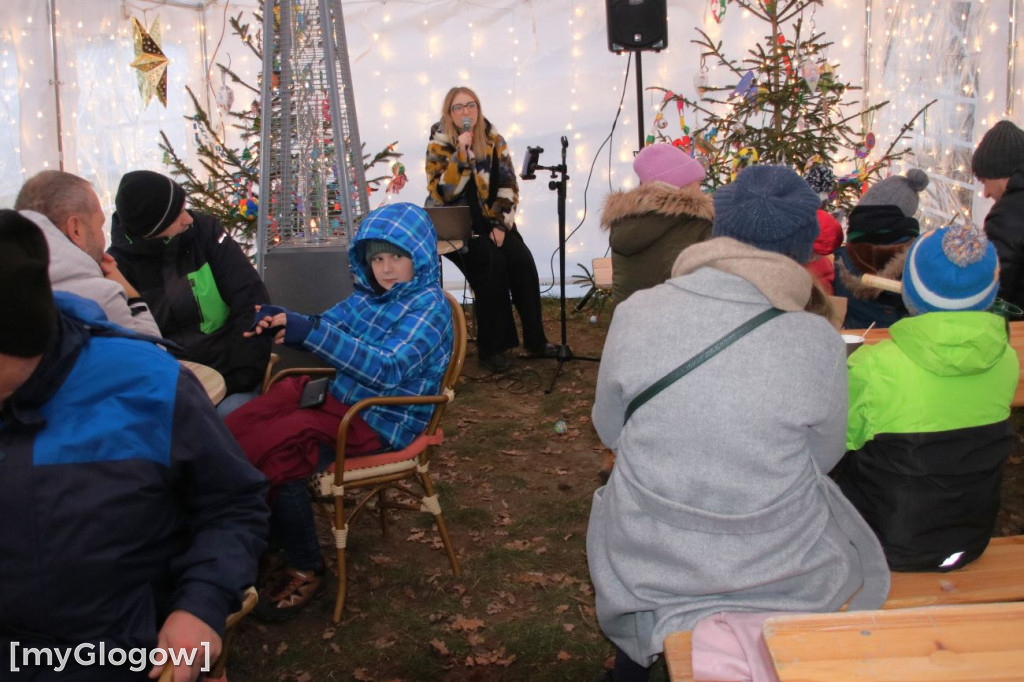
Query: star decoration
[150,62]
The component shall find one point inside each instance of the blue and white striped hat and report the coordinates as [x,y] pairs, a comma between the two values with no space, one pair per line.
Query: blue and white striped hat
[950,269]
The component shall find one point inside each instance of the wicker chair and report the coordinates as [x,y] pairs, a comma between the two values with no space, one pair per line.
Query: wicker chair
[405,471]
[218,671]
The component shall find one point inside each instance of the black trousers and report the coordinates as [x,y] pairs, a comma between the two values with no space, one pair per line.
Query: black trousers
[495,273]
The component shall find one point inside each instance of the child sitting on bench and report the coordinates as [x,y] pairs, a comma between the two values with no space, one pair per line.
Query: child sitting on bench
[928,427]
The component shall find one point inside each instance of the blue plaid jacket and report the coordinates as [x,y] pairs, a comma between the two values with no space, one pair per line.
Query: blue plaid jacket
[395,343]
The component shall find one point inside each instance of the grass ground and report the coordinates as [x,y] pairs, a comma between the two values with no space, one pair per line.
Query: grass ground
[516,494]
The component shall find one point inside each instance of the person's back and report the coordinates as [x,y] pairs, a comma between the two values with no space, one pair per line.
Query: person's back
[650,225]
[880,230]
[200,286]
[718,500]
[929,412]
[126,499]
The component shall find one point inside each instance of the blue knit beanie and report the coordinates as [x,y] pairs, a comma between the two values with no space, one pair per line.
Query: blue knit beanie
[770,207]
[951,269]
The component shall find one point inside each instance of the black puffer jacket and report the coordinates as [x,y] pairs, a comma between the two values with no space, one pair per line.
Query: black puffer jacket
[201,288]
[1004,226]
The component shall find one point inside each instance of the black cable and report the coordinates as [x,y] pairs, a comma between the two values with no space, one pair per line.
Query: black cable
[593,164]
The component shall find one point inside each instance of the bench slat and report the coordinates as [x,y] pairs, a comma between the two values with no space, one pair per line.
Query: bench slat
[996,576]
[970,642]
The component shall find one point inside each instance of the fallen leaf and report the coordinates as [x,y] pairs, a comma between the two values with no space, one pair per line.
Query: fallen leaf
[328,633]
[561,608]
[439,646]
[281,648]
[564,656]
[362,675]
[467,624]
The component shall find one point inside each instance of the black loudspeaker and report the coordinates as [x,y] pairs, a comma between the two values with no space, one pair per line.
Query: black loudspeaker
[637,25]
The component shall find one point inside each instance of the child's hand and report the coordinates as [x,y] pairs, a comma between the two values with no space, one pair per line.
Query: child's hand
[269,319]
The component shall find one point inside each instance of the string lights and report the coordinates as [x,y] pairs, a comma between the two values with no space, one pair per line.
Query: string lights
[542,70]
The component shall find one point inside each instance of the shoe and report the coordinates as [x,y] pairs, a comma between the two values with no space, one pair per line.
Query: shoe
[293,592]
[497,362]
[548,350]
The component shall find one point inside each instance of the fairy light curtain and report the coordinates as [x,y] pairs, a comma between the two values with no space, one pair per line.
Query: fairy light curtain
[10,120]
[953,52]
[106,127]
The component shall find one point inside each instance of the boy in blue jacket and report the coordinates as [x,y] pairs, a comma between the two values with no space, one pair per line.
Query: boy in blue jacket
[392,337]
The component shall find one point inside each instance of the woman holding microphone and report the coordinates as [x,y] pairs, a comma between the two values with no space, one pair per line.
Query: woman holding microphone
[468,164]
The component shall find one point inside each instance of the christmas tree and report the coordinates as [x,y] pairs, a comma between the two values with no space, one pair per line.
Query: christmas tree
[227,184]
[784,105]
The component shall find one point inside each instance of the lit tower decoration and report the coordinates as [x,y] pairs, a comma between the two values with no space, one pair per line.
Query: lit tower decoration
[313,189]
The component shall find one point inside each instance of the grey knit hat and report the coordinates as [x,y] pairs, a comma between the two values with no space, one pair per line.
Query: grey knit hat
[1000,152]
[770,207]
[898,190]
[372,247]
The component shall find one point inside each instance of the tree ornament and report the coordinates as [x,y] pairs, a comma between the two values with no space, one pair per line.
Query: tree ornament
[700,81]
[718,10]
[811,74]
[225,97]
[150,62]
[744,87]
[747,156]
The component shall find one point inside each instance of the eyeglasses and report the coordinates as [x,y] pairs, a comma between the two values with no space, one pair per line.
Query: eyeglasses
[459,108]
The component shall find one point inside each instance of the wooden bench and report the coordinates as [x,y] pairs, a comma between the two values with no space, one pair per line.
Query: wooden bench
[996,576]
[602,270]
[944,643]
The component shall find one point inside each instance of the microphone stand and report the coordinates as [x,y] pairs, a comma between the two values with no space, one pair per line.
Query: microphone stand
[559,183]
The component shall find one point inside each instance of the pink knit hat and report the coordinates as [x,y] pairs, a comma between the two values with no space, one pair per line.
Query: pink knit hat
[667,163]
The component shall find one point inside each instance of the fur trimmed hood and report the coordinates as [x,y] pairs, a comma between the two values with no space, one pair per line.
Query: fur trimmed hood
[883,260]
[657,197]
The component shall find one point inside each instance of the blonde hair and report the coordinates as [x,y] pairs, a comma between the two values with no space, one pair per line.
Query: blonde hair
[452,130]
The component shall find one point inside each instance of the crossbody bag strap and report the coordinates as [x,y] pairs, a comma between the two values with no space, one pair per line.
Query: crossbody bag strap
[699,359]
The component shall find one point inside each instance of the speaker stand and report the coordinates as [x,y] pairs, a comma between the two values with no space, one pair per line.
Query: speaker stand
[639,102]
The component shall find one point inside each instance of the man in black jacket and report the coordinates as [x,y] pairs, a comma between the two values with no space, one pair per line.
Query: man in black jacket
[131,518]
[998,163]
[200,286]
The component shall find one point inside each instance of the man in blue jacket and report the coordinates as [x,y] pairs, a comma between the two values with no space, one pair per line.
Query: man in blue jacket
[131,519]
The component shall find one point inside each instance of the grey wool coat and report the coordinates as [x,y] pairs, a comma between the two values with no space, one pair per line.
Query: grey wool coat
[719,499]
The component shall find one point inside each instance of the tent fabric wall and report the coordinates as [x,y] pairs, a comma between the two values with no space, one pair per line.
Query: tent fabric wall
[542,70]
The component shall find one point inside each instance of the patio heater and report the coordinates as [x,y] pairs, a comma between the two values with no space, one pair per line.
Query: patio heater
[312,184]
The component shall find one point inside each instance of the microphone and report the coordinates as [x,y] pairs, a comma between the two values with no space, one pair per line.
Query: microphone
[465,129]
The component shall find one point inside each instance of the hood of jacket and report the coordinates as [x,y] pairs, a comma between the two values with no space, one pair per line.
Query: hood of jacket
[884,260]
[414,233]
[651,199]
[952,343]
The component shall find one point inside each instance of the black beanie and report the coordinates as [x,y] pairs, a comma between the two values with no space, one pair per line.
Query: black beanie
[147,203]
[1000,153]
[371,247]
[24,263]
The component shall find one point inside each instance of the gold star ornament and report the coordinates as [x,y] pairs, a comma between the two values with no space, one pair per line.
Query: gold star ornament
[150,62]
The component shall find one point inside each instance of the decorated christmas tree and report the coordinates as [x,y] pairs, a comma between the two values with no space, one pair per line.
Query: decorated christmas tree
[227,184]
[782,104]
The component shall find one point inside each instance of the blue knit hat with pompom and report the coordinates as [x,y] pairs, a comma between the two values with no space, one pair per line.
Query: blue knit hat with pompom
[951,269]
